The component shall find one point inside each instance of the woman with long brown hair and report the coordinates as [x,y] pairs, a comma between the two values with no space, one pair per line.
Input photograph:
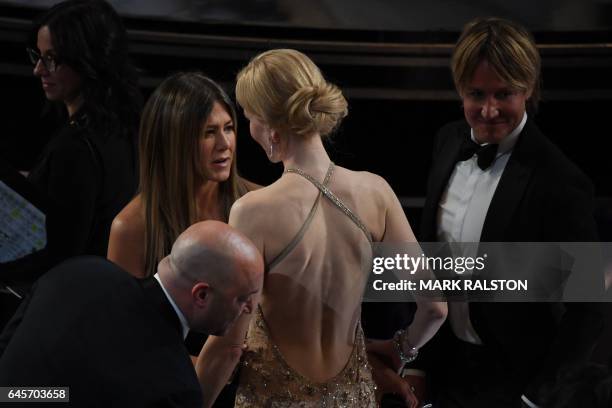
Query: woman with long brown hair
[187,170]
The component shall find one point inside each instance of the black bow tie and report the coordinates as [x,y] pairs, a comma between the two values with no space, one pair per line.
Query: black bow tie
[486,154]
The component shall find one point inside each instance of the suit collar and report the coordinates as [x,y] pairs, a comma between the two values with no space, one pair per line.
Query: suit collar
[512,185]
[177,310]
[445,158]
[509,192]
[157,298]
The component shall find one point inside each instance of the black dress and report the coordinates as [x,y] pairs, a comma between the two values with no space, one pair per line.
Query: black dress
[87,176]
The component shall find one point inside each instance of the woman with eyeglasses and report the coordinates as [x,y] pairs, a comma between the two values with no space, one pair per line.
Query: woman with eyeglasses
[88,170]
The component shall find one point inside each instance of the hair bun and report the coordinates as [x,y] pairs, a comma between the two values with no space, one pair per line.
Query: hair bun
[287,90]
[316,109]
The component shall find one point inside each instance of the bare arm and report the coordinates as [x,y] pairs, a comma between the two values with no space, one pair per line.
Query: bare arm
[382,354]
[218,359]
[220,355]
[430,314]
[126,242]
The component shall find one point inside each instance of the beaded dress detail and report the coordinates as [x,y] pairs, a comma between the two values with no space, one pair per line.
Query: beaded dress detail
[267,380]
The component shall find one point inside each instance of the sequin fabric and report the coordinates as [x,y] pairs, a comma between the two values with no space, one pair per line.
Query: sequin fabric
[266,380]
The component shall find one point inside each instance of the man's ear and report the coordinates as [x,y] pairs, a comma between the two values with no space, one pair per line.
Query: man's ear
[200,292]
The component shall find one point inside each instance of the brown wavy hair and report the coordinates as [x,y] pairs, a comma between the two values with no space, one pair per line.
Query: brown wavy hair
[170,162]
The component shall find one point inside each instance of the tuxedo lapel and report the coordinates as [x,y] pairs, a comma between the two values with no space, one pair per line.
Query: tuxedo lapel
[511,187]
[445,159]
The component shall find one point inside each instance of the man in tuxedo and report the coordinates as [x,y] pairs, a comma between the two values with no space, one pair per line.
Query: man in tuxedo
[496,178]
[117,341]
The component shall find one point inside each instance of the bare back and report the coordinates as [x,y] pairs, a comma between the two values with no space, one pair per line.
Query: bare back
[311,298]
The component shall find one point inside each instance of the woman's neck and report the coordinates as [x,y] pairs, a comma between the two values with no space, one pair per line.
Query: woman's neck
[307,154]
[73,105]
[207,201]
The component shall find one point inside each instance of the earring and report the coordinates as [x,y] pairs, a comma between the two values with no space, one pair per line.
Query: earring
[271,152]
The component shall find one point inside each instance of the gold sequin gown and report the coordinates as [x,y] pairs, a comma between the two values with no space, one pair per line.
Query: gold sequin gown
[266,380]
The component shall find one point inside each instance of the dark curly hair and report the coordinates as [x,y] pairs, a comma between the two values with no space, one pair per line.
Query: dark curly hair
[89,36]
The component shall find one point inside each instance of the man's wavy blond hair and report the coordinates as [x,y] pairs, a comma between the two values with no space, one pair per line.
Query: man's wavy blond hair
[508,48]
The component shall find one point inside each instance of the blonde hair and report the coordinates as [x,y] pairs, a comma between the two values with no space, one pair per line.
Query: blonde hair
[170,162]
[507,46]
[287,90]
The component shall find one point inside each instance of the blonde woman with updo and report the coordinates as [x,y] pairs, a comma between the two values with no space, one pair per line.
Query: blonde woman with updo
[305,345]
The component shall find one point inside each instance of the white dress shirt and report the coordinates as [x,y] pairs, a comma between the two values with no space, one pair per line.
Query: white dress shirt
[461,215]
[179,314]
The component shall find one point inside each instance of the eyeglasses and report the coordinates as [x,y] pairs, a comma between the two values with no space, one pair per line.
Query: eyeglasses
[50,62]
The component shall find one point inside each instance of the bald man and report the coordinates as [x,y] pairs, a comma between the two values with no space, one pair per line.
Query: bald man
[117,341]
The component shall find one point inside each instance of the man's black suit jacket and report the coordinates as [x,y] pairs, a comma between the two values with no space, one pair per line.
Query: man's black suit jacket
[114,340]
[541,197]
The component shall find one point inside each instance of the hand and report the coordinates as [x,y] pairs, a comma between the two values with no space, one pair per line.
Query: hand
[242,349]
[389,382]
[417,385]
[385,351]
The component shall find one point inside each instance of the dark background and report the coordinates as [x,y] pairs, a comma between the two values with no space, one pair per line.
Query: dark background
[390,57]
[378,15]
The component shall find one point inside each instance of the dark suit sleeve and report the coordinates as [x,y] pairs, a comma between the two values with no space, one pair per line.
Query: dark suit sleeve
[571,209]
[439,139]
[574,207]
[13,324]
[426,231]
